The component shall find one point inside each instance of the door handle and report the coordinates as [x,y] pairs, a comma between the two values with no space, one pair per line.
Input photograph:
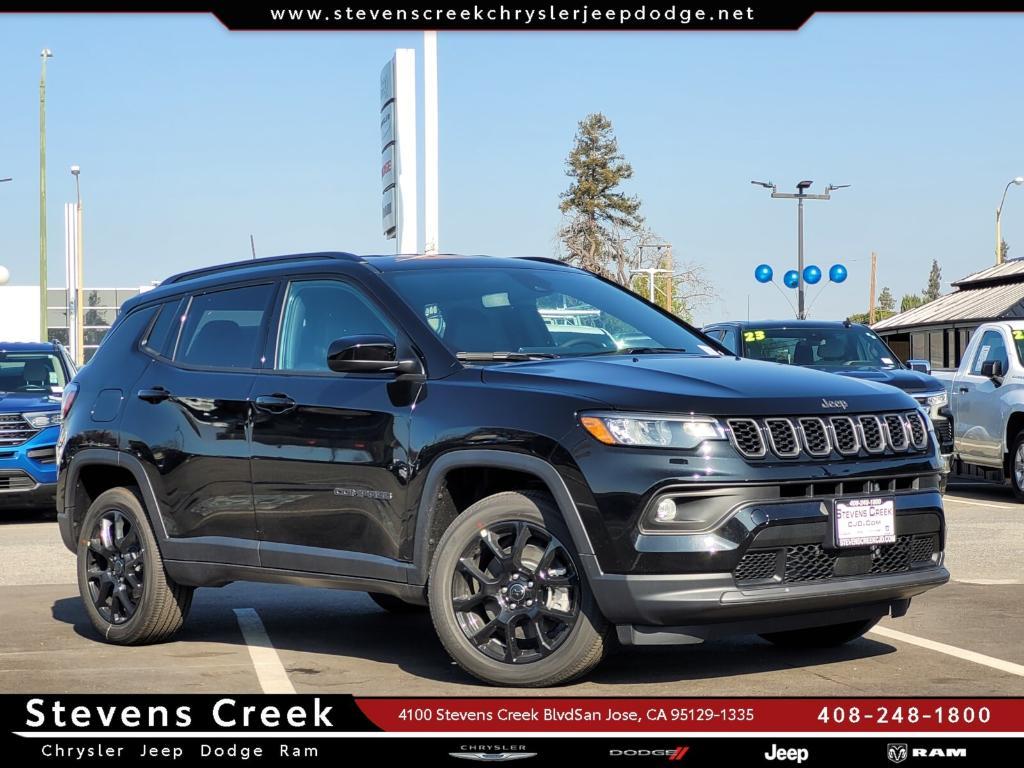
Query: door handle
[276,403]
[964,390]
[154,395]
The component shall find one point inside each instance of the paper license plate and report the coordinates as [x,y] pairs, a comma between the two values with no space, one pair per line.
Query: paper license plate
[863,522]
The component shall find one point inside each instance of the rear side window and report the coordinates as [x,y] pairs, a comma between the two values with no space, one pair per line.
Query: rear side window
[164,332]
[223,329]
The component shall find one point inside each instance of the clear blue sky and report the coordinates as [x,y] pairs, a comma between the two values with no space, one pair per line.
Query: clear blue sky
[191,137]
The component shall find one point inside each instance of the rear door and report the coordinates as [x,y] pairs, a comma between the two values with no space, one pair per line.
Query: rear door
[978,420]
[329,449]
[190,415]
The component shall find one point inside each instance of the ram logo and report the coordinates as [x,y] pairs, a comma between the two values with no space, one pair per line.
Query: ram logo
[896,753]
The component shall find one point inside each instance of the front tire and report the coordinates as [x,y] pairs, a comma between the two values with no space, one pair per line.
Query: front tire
[1017,466]
[127,593]
[829,636]
[507,596]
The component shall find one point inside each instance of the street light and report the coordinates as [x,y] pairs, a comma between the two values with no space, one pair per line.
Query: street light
[999,216]
[800,195]
[45,54]
[76,289]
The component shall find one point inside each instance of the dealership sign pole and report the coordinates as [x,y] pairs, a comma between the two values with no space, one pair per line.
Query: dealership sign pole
[398,153]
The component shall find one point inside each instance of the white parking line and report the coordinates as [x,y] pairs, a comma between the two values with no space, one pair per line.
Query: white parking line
[951,650]
[991,504]
[269,669]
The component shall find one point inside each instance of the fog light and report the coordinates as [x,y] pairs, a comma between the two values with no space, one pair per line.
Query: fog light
[666,511]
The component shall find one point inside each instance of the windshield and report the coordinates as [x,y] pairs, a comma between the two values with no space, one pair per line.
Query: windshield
[30,372]
[543,312]
[843,347]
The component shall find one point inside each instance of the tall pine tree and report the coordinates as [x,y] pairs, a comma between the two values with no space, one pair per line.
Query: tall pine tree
[931,293]
[600,218]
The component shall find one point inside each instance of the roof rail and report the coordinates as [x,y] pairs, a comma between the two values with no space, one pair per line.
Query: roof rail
[546,260]
[192,274]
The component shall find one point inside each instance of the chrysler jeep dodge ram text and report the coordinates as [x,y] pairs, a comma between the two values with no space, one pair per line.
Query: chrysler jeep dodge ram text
[411,427]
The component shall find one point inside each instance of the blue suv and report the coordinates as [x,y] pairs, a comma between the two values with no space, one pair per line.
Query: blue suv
[32,380]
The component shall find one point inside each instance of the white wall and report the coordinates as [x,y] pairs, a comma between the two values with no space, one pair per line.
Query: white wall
[19,313]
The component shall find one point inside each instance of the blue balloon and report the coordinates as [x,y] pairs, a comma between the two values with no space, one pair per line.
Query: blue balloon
[763,273]
[837,273]
[791,279]
[812,274]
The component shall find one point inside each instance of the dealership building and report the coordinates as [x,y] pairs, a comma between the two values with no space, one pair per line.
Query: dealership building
[940,330]
[19,313]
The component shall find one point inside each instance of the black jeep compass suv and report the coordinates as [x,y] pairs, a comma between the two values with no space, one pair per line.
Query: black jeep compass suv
[540,456]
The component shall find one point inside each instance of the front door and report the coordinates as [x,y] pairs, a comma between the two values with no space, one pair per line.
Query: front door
[329,449]
[978,419]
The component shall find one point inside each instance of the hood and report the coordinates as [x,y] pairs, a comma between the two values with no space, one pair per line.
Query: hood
[716,386]
[913,382]
[18,402]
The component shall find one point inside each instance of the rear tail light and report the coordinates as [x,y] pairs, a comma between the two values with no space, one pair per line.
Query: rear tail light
[68,399]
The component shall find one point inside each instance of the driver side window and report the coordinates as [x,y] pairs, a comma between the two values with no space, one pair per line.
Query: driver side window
[992,347]
[317,312]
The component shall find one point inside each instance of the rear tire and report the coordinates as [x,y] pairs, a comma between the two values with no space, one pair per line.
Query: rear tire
[506,572]
[127,593]
[393,604]
[821,637]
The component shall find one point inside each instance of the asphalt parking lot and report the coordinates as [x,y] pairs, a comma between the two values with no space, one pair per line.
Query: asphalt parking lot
[960,640]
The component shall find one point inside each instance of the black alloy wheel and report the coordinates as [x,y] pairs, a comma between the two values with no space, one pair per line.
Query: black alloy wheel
[515,592]
[115,567]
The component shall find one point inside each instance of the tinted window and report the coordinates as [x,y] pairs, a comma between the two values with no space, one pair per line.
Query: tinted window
[164,332]
[823,347]
[728,339]
[993,348]
[551,311]
[318,312]
[222,329]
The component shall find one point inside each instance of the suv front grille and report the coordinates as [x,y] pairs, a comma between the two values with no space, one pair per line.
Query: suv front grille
[818,438]
[803,563]
[14,430]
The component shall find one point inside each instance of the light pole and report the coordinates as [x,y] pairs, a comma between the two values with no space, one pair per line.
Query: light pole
[5,275]
[800,195]
[999,218]
[77,288]
[43,334]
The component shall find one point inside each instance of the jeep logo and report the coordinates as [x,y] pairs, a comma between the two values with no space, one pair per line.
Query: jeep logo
[835,404]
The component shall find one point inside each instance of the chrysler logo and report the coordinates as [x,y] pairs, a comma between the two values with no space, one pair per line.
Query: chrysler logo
[492,757]
[835,404]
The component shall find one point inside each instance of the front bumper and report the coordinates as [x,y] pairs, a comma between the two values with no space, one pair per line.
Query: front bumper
[28,472]
[770,567]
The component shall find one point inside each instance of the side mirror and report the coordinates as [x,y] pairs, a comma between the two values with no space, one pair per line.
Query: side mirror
[368,354]
[922,366]
[992,369]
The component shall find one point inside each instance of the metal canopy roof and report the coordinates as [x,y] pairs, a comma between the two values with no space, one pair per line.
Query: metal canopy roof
[996,292]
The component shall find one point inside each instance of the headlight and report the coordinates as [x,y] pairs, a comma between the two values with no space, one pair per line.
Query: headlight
[650,430]
[40,420]
[937,400]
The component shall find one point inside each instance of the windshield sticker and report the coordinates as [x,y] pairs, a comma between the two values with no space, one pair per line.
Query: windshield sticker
[887,361]
[753,336]
[983,355]
[707,350]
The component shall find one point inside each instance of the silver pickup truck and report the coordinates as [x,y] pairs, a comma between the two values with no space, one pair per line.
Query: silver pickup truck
[986,403]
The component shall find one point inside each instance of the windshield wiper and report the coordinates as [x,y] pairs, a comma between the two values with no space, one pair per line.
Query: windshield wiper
[642,351]
[513,357]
